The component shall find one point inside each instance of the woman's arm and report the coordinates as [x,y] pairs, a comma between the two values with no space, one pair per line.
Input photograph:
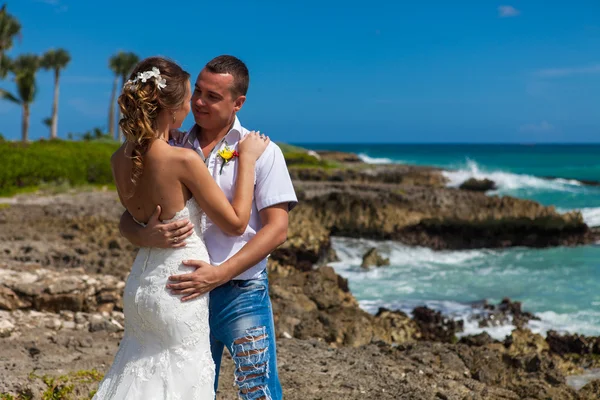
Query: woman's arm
[230,218]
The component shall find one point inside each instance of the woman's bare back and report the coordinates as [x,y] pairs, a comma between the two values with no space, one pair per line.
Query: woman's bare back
[159,183]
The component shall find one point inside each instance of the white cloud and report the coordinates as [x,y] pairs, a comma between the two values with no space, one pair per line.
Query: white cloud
[563,72]
[508,12]
[542,127]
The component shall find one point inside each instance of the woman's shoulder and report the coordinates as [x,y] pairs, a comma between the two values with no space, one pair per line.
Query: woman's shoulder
[184,154]
[161,150]
[119,155]
[176,158]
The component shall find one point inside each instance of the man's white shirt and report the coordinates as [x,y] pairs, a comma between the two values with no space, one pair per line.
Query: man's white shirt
[273,185]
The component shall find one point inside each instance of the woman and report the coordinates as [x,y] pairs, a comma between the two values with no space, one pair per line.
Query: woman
[165,351]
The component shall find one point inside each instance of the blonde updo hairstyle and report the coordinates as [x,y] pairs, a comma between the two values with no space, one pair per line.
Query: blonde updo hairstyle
[142,102]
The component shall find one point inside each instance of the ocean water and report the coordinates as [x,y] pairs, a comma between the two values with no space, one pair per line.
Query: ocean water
[560,285]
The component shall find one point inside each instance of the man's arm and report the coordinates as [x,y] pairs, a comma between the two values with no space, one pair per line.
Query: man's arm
[155,233]
[206,277]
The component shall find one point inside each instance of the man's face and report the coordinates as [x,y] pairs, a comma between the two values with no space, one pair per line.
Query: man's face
[213,103]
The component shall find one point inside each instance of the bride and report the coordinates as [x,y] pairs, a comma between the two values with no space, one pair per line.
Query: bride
[165,351]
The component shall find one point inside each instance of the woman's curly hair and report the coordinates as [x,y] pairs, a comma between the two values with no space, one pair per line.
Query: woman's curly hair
[141,103]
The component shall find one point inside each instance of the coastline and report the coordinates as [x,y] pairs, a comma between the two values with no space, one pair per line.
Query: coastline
[62,264]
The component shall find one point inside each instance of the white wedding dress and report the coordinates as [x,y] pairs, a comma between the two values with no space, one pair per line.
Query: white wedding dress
[165,351]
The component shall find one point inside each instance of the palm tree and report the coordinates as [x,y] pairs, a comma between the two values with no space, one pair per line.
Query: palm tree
[24,68]
[4,66]
[121,64]
[9,29]
[55,60]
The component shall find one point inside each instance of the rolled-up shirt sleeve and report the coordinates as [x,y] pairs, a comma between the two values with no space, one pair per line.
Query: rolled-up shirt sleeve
[273,182]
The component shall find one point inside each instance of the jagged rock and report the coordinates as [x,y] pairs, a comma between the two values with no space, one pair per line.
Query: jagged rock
[66,284]
[308,302]
[481,339]
[373,258]
[56,303]
[436,327]
[391,173]
[54,324]
[523,342]
[330,256]
[101,323]
[48,290]
[572,344]
[6,328]
[308,242]
[105,307]
[434,217]
[505,313]
[395,327]
[590,391]
[519,317]
[67,315]
[80,318]
[487,370]
[478,185]
[318,304]
[339,156]
[69,325]
[10,301]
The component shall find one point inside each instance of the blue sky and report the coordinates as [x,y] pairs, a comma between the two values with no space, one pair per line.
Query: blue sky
[342,71]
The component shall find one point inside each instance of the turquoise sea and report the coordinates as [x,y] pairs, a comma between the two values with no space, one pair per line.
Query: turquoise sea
[561,285]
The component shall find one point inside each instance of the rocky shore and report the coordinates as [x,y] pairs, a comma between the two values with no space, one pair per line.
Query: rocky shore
[63,266]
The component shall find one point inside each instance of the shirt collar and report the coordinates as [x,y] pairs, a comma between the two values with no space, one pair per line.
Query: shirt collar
[236,128]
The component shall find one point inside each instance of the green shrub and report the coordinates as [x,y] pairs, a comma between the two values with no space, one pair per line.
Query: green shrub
[304,160]
[75,163]
[290,148]
[66,387]
[296,158]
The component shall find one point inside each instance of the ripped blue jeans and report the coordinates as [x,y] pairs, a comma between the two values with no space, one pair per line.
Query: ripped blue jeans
[241,319]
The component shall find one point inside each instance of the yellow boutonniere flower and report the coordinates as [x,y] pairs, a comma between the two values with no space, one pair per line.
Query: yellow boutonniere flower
[227,154]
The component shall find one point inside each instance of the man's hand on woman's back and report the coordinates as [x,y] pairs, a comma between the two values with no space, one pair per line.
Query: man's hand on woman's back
[156,233]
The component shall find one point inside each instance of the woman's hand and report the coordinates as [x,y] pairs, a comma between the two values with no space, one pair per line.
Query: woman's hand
[253,145]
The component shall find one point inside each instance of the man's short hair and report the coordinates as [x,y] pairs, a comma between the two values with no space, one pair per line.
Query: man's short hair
[235,67]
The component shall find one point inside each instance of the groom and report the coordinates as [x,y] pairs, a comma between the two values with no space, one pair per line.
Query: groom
[241,316]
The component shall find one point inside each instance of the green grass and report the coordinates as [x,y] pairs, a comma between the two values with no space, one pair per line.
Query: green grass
[58,166]
[18,396]
[305,160]
[288,148]
[63,387]
[56,163]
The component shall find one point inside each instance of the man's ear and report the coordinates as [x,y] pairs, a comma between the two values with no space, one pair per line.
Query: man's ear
[238,103]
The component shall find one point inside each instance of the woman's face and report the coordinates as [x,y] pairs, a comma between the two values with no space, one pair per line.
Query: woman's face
[184,110]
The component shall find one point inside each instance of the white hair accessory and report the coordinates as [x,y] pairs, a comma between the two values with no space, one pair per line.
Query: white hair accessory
[144,76]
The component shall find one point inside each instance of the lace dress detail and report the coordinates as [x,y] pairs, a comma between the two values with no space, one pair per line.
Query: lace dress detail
[165,350]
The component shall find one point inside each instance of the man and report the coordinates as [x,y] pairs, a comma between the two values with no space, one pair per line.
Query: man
[241,316]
